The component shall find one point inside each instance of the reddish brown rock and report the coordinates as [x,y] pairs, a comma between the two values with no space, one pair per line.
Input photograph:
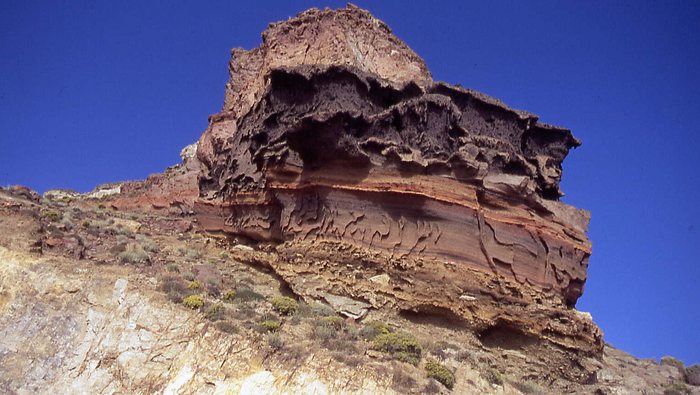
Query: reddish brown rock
[334,138]
[175,189]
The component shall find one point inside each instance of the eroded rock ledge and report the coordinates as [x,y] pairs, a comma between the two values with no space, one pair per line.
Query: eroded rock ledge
[333,131]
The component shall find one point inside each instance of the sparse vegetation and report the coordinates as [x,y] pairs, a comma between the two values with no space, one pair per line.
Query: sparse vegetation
[669,360]
[227,327]
[400,345]
[442,349]
[119,229]
[174,288]
[194,284]
[441,373]
[213,289]
[147,243]
[676,389]
[334,322]
[527,387]
[247,295]
[193,301]
[133,253]
[51,215]
[274,340]
[321,310]
[285,305]
[229,296]
[270,325]
[193,255]
[189,276]
[215,312]
[373,329]
[67,221]
[327,329]
[493,376]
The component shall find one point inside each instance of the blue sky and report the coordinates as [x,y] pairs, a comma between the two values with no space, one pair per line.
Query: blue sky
[100,91]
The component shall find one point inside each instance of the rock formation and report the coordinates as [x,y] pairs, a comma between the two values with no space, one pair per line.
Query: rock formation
[335,138]
[339,180]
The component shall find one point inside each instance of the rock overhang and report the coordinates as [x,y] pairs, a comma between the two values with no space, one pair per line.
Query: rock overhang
[321,142]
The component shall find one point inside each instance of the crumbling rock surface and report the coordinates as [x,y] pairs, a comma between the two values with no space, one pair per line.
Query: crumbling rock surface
[333,131]
[174,190]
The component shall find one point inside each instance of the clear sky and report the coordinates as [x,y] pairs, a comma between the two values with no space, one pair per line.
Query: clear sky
[100,91]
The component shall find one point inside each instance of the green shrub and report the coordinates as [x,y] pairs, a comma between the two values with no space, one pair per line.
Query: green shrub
[51,215]
[270,325]
[194,284]
[247,295]
[321,310]
[401,345]
[193,301]
[324,334]
[285,305]
[229,296]
[334,322]
[493,376]
[329,330]
[215,312]
[440,372]
[407,357]
[133,253]
[373,329]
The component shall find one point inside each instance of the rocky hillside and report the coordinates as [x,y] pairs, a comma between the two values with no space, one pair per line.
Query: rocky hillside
[344,225]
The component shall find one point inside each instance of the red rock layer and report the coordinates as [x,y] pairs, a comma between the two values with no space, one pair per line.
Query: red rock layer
[334,132]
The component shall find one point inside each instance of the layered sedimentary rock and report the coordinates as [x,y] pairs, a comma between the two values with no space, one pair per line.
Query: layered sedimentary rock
[334,133]
[174,190]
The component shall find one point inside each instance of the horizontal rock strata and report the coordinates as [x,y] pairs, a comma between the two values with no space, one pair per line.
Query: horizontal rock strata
[354,144]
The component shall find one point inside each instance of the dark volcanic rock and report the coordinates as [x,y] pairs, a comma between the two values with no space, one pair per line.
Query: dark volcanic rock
[334,138]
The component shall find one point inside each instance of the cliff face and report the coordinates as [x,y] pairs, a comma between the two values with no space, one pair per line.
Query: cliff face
[86,306]
[334,138]
[344,225]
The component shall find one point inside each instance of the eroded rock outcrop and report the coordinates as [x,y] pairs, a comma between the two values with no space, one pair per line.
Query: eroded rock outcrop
[174,190]
[334,138]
